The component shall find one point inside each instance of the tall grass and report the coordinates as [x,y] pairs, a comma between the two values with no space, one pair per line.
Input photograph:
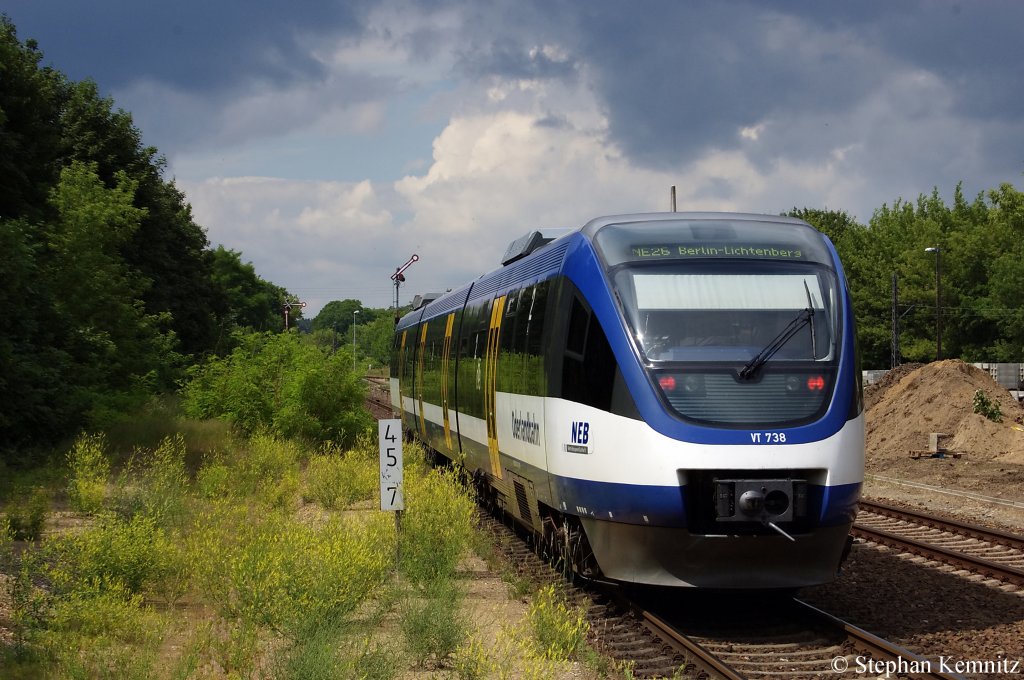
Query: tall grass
[270,592]
[89,470]
[277,572]
[436,526]
[335,479]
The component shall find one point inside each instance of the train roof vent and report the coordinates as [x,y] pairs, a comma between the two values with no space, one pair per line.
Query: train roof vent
[423,300]
[524,245]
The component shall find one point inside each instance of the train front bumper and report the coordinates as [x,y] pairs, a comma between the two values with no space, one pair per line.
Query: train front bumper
[672,556]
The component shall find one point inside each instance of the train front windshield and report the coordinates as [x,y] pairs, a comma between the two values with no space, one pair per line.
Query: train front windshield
[736,322]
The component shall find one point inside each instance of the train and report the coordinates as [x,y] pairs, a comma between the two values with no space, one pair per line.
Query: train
[664,399]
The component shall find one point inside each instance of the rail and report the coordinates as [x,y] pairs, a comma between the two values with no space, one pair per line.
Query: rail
[990,552]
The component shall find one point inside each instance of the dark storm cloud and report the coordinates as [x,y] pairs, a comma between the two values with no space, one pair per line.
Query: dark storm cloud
[678,79]
[192,45]
[512,60]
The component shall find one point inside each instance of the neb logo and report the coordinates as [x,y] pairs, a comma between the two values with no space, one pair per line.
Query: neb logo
[580,432]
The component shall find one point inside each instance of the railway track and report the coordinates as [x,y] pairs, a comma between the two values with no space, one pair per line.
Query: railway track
[793,640]
[378,397]
[991,553]
[683,634]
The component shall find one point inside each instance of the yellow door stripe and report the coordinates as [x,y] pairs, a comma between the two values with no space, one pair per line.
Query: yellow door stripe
[444,380]
[401,381]
[419,382]
[490,384]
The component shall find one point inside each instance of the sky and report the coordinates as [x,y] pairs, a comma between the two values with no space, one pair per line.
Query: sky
[329,141]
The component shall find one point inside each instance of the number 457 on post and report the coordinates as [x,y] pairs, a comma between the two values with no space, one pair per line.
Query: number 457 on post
[390,440]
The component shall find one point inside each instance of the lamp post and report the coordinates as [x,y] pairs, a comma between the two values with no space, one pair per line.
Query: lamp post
[354,339]
[938,300]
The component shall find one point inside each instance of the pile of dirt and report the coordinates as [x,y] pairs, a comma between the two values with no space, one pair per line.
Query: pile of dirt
[939,397]
[874,392]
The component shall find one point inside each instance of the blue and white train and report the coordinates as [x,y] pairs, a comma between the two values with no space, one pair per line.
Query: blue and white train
[669,399]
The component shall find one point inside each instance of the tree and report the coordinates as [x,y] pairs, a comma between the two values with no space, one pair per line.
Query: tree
[337,315]
[31,99]
[243,298]
[117,349]
[168,246]
[376,338]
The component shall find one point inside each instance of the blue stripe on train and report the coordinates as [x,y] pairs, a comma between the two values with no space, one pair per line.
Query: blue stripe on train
[666,505]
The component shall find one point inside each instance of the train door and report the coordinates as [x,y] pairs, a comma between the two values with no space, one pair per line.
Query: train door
[401,375]
[446,379]
[491,383]
[420,366]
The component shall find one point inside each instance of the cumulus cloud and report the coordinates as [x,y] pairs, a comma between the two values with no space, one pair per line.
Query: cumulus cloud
[463,125]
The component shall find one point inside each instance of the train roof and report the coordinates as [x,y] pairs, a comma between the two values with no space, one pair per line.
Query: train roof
[591,227]
[539,252]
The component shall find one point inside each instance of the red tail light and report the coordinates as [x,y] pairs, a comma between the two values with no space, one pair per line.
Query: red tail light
[667,382]
[816,383]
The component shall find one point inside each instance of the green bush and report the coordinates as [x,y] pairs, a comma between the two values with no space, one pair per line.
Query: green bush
[986,407]
[89,470]
[154,483]
[284,382]
[164,480]
[26,513]
[213,480]
[94,611]
[267,467]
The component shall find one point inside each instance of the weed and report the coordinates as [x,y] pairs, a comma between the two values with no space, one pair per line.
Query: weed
[432,624]
[471,661]
[6,539]
[368,660]
[26,513]
[110,611]
[282,574]
[114,553]
[436,526]
[214,480]
[90,468]
[235,647]
[336,480]
[986,407]
[29,607]
[165,482]
[559,632]
[268,470]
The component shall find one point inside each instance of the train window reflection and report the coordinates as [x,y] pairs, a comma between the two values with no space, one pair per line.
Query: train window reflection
[680,313]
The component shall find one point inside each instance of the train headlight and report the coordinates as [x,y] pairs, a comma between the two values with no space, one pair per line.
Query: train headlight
[693,384]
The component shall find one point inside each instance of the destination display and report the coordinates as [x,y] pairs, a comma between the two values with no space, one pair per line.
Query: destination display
[687,250]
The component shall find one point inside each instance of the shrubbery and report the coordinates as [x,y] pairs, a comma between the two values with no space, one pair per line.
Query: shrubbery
[89,470]
[284,383]
[986,407]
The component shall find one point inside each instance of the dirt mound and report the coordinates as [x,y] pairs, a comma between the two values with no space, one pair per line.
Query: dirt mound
[874,392]
[939,397]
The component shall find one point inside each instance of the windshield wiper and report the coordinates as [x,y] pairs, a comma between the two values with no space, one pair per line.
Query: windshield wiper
[803,318]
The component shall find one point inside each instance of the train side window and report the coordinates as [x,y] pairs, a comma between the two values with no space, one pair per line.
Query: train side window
[530,340]
[473,343]
[588,366]
[579,317]
[510,369]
